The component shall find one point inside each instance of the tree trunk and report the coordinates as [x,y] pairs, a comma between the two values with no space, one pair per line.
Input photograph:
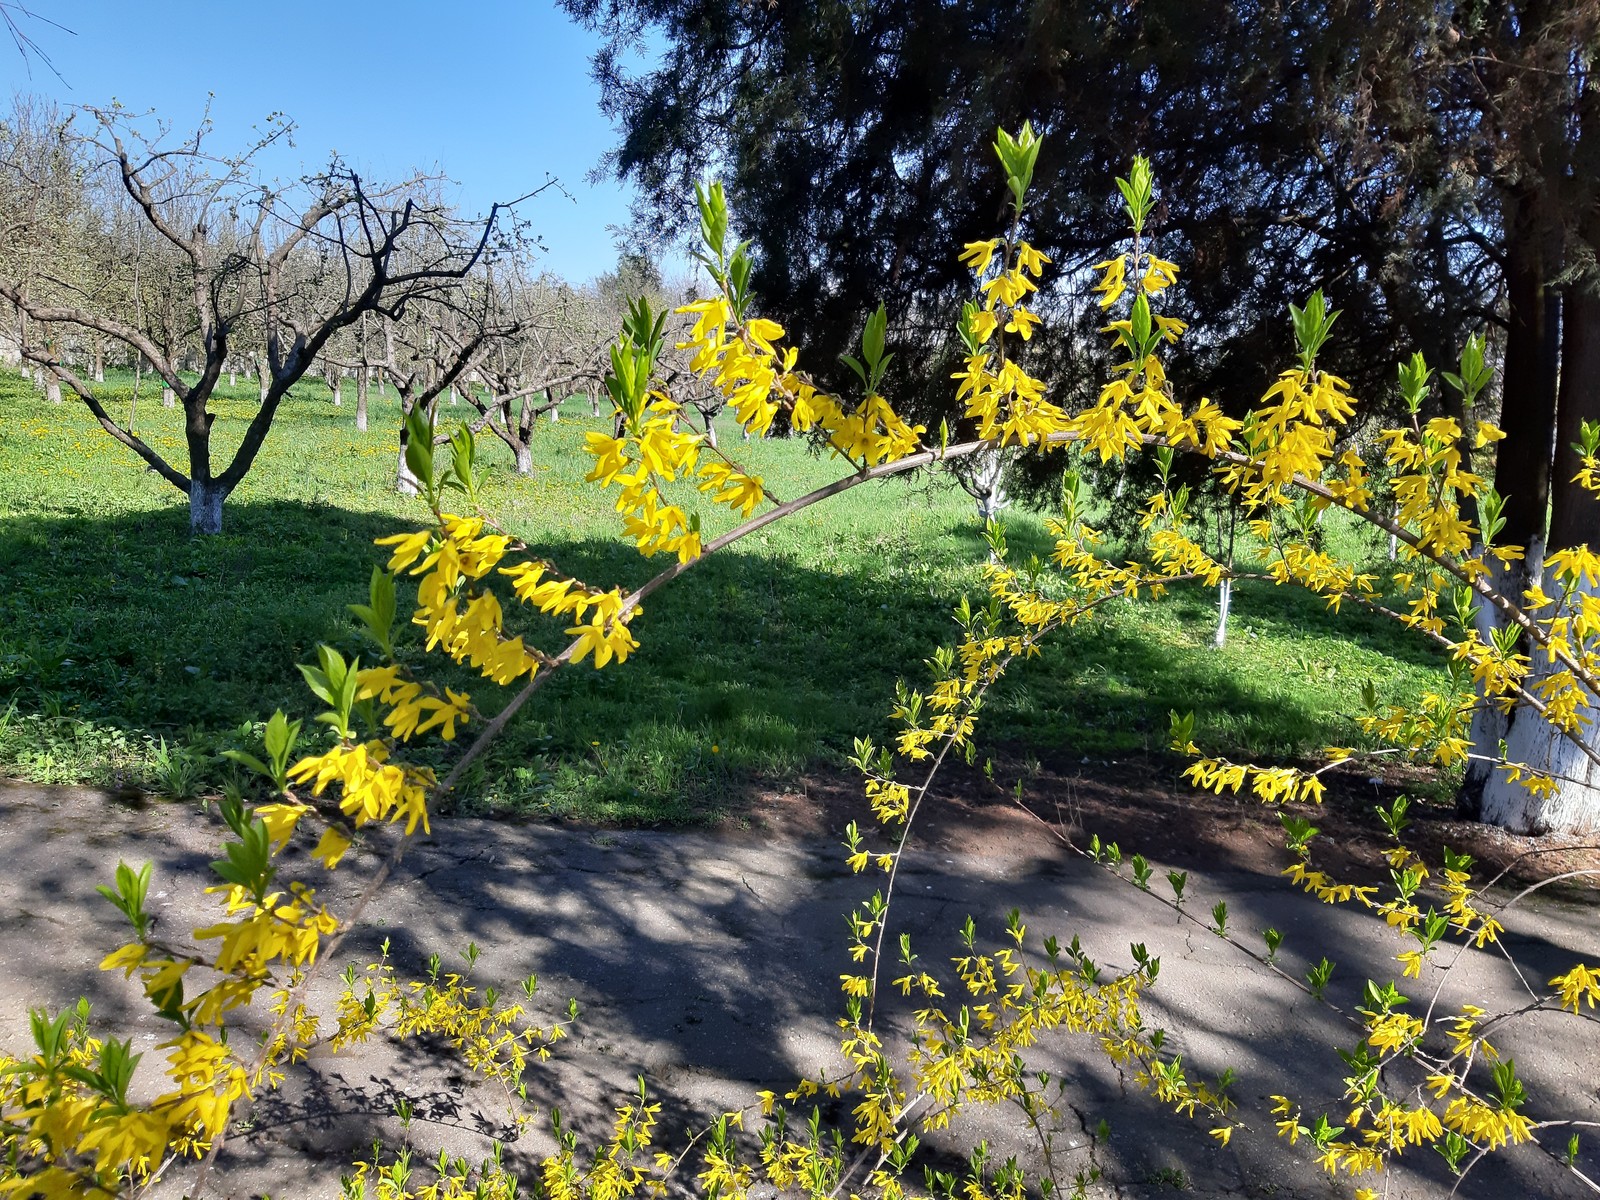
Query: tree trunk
[1224,606]
[406,483]
[336,385]
[709,420]
[555,413]
[1574,513]
[233,379]
[52,390]
[205,505]
[594,404]
[1574,806]
[167,398]
[988,487]
[1528,396]
[361,401]
[1535,406]
[99,363]
[524,453]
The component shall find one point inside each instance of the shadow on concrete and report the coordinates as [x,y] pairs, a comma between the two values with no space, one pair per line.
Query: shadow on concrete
[711,966]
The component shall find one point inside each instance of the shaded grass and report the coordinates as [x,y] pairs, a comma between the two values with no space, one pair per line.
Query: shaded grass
[119,632]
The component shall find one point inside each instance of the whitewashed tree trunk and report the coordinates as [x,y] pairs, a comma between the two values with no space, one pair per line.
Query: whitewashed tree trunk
[99,364]
[555,413]
[1488,794]
[524,453]
[336,386]
[1489,724]
[594,405]
[1224,606]
[363,381]
[988,485]
[52,390]
[405,482]
[205,505]
[167,398]
[1574,807]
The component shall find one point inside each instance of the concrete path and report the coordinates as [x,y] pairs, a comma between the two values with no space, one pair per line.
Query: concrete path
[710,965]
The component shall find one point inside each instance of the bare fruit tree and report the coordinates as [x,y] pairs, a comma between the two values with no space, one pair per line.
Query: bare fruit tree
[560,348]
[294,265]
[438,344]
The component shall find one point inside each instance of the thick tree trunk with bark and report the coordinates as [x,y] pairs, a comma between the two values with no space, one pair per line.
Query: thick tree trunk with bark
[205,505]
[1574,513]
[1574,805]
[1552,383]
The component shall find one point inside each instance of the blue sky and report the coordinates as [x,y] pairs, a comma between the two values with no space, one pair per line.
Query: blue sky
[493,94]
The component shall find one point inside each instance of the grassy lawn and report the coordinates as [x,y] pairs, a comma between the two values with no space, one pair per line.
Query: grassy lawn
[133,653]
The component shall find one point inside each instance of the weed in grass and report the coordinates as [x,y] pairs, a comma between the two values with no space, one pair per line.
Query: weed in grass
[1163,1178]
[176,772]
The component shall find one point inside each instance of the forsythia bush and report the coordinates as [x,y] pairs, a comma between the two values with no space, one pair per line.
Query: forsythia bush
[68,1117]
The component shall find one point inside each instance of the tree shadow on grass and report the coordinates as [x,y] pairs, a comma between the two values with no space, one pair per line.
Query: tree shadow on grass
[126,631]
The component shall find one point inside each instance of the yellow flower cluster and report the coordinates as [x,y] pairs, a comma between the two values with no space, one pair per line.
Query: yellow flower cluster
[371,788]
[1270,785]
[640,463]
[1429,482]
[742,361]
[494,1039]
[82,1135]
[1291,434]
[450,560]
[1007,404]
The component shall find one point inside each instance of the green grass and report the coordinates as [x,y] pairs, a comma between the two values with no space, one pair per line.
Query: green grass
[133,653]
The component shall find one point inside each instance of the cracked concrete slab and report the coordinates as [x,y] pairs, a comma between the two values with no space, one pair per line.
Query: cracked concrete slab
[710,965]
